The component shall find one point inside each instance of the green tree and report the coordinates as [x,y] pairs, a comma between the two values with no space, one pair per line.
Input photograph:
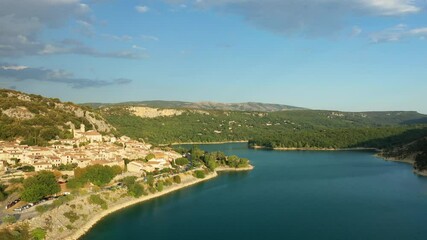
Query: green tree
[149,157]
[38,234]
[182,161]
[159,186]
[199,174]
[177,179]
[41,185]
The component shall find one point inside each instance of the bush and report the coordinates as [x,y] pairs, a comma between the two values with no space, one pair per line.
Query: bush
[199,174]
[177,179]
[38,234]
[19,232]
[9,219]
[97,200]
[43,208]
[16,180]
[59,201]
[136,190]
[181,161]
[28,169]
[72,216]
[3,193]
[149,157]
[159,186]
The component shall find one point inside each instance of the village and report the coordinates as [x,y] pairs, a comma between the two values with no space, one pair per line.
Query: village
[84,149]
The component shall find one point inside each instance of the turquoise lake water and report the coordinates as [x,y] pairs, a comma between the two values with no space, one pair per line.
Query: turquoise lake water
[289,195]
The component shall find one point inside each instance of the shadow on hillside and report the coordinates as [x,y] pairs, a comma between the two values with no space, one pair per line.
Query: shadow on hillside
[415,121]
[396,140]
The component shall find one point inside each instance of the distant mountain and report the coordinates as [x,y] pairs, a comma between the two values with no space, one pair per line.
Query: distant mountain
[246,107]
[36,119]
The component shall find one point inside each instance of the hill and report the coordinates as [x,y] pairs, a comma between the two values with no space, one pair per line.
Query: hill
[36,119]
[273,129]
[410,147]
[248,106]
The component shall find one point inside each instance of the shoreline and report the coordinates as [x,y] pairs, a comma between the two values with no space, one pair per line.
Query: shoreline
[94,220]
[315,149]
[206,143]
[406,161]
[228,169]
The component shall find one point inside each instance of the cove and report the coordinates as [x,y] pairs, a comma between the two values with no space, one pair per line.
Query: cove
[289,195]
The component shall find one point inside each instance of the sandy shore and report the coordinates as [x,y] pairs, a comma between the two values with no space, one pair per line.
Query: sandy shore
[209,143]
[81,231]
[228,169]
[316,149]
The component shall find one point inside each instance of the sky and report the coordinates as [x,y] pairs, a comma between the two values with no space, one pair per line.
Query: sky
[348,55]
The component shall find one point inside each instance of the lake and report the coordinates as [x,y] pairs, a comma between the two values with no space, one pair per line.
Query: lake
[289,195]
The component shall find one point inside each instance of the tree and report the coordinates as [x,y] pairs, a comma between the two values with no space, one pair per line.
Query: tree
[9,219]
[233,161]
[3,193]
[38,234]
[181,161]
[149,157]
[177,179]
[28,168]
[199,174]
[96,174]
[41,185]
[159,186]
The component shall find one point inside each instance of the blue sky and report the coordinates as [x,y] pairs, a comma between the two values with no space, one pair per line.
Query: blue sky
[350,55]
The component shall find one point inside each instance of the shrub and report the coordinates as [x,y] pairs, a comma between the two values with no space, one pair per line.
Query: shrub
[181,161]
[97,200]
[43,208]
[72,216]
[38,234]
[177,179]
[199,174]
[9,219]
[159,186]
[17,233]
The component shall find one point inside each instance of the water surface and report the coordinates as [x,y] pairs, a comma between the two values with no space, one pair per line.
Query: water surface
[289,195]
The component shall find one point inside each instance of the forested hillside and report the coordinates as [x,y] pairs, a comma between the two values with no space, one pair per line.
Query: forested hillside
[36,119]
[302,128]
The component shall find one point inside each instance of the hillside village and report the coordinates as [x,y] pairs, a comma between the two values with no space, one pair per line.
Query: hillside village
[84,149]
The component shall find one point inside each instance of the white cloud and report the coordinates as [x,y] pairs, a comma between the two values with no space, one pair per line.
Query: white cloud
[142,9]
[392,7]
[25,73]
[21,22]
[305,17]
[138,47]
[398,33]
[148,37]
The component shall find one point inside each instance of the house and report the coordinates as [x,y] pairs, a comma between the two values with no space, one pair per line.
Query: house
[93,136]
[40,166]
[135,167]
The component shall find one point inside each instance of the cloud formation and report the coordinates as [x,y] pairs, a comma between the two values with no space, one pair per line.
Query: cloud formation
[142,9]
[23,21]
[70,46]
[305,17]
[398,33]
[24,73]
